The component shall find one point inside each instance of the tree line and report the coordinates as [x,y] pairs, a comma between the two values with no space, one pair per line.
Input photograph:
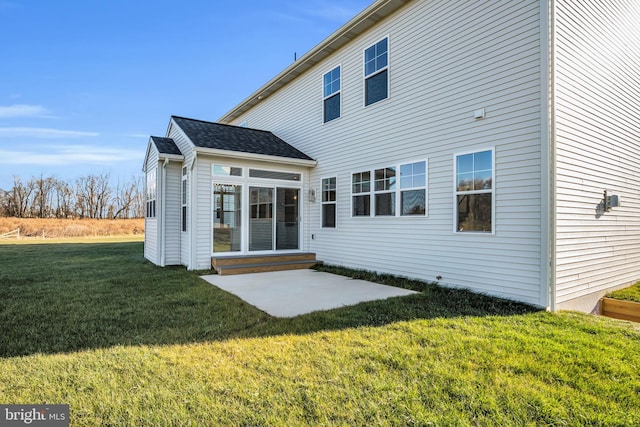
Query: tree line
[91,196]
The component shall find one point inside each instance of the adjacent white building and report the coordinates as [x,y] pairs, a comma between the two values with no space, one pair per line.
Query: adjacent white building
[491,145]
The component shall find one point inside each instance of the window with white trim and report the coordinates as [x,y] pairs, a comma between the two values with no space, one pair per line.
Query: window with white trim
[398,190]
[385,191]
[152,179]
[331,95]
[474,191]
[376,72]
[361,193]
[227,170]
[329,202]
[413,188]
[185,184]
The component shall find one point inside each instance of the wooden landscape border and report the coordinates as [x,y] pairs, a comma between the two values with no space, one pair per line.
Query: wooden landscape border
[620,309]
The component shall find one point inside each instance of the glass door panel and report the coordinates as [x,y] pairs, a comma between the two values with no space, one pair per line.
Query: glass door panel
[260,219]
[287,214]
[227,227]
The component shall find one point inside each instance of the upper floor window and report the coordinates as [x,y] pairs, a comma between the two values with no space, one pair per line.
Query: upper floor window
[331,94]
[376,72]
[474,191]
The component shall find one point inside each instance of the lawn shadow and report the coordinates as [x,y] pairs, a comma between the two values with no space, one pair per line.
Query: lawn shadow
[62,298]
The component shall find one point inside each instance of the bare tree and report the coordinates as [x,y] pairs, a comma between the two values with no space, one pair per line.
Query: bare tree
[93,195]
[65,200]
[89,196]
[4,203]
[123,200]
[20,198]
[139,200]
[43,196]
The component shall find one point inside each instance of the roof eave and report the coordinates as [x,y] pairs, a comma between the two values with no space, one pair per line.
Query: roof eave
[366,19]
[256,157]
[170,157]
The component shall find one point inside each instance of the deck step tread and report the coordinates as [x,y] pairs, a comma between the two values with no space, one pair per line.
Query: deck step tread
[261,259]
[265,267]
[268,264]
[245,264]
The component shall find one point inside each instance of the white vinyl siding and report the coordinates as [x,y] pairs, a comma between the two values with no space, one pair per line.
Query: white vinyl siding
[597,126]
[449,59]
[151,224]
[172,213]
[186,147]
[201,214]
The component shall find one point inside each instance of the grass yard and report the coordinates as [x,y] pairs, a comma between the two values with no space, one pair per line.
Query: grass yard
[632,293]
[125,343]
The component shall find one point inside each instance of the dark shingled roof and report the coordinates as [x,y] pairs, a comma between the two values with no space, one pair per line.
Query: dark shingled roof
[234,138]
[166,145]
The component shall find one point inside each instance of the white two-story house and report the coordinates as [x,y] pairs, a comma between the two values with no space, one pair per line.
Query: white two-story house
[491,145]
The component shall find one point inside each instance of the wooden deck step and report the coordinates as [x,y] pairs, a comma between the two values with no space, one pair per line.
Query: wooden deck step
[226,265]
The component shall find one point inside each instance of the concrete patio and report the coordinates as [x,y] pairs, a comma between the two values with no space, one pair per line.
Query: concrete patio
[295,292]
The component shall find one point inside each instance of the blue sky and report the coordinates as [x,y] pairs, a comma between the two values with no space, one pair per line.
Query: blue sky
[83,83]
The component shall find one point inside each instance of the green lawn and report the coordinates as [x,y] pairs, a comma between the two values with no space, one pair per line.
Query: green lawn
[632,293]
[126,343]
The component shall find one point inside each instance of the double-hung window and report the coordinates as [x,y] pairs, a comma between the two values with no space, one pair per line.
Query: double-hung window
[329,202]
[384,189]
[397,190]
[413,183]
[331,94]
[361,193]
[474,191]
[185,184]
[376,72]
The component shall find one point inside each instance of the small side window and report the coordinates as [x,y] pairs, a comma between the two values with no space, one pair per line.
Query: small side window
[329,202]
[185,188]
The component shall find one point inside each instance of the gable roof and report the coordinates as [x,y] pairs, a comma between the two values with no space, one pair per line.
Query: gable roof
[376,12]
[165,145]
[219,136]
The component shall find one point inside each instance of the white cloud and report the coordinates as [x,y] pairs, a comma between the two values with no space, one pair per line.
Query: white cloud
[13,132]
[23,110]
[61,155]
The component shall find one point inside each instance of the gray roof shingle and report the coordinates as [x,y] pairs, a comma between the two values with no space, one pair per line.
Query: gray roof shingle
[165,145]
[234,138]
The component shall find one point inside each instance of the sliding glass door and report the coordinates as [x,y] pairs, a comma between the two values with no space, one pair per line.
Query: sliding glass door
[260,219]
[287,214]
[273,218]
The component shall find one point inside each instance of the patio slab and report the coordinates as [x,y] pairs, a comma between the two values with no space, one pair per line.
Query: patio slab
[295,292]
